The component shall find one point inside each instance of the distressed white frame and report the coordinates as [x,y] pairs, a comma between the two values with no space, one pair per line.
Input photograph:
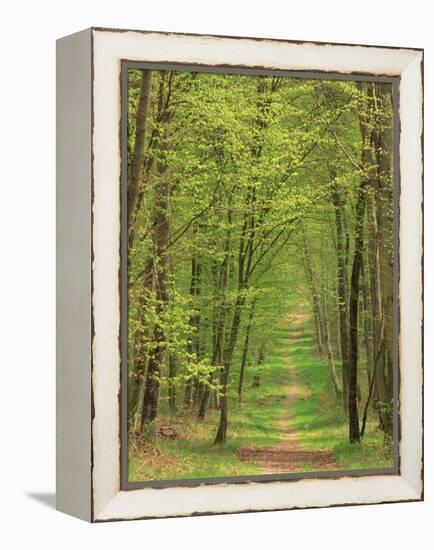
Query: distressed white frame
[108,502]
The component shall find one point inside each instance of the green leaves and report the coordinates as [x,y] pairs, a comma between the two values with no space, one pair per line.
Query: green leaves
[249,161]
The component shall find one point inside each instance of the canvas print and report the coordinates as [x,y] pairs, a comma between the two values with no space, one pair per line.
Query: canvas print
[261,296]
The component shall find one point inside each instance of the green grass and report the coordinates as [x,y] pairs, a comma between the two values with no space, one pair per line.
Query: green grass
[194,455]
[320,420]
[317,417]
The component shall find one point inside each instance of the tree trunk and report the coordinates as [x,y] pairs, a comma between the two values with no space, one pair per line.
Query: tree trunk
[161,239]
[330,357]
[365,120]
[256,382]
[193,346]
[378,323]
[245,351]
[221,277]
[141,341]
[137,163]
[245,256]
[354,429]
[172,389]
[342,291]
[367,323]
[319,322]
[384,198]
[227,359]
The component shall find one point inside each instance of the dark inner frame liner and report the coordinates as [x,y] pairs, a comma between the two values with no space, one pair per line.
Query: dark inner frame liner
[127,65]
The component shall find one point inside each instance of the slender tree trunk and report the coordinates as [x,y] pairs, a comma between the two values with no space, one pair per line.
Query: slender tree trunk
[342,292]
[245,351]
[219,316]
[140,395]
[245,256]
[227,359]
[256,382]
[161,239]
[319,322]
[188,393]
[246,247]
[384,198]
[336,327]
[376,299]
[193,346]
[141,341]
[330,356]
[172,389]
[365,119]
[381,299]
[367,325]
[135,177]
[354,429]
[137,163]
[318,334]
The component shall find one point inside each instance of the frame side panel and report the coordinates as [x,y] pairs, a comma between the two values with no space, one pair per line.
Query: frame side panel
[411,274]
[73,275]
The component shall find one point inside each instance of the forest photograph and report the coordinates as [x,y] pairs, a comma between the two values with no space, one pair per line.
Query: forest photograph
[260,284]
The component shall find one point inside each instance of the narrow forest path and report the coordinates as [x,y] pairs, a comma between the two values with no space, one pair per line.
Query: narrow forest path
[287,456]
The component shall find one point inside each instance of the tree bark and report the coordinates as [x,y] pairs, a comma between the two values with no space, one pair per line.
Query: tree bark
[365,121]
[256,382]
[141,342]
[193,346]
[245,351]
[137,163]
[172,389]
[354,429]
[367,325]
[318,318]
[219,317]
[330,356]
[381,262]
[161,239]
[227,359]
[245,257]
[342,291]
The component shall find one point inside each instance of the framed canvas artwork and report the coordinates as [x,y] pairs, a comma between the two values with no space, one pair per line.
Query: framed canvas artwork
[239,274]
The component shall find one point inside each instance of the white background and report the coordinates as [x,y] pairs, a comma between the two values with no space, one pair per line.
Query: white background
[27,229]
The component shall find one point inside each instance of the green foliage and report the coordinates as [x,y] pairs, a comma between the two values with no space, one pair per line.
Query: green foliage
[321,422]
[318,419]
[253,165]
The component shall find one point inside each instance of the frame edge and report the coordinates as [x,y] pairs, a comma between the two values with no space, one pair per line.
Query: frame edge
[73,275]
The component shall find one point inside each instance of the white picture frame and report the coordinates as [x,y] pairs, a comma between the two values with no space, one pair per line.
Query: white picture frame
[89,483]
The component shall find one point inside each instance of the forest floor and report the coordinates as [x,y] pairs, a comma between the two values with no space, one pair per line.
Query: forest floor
[291,423]
[287,455]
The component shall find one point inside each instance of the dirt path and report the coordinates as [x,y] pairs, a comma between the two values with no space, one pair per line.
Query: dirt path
[287,456]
